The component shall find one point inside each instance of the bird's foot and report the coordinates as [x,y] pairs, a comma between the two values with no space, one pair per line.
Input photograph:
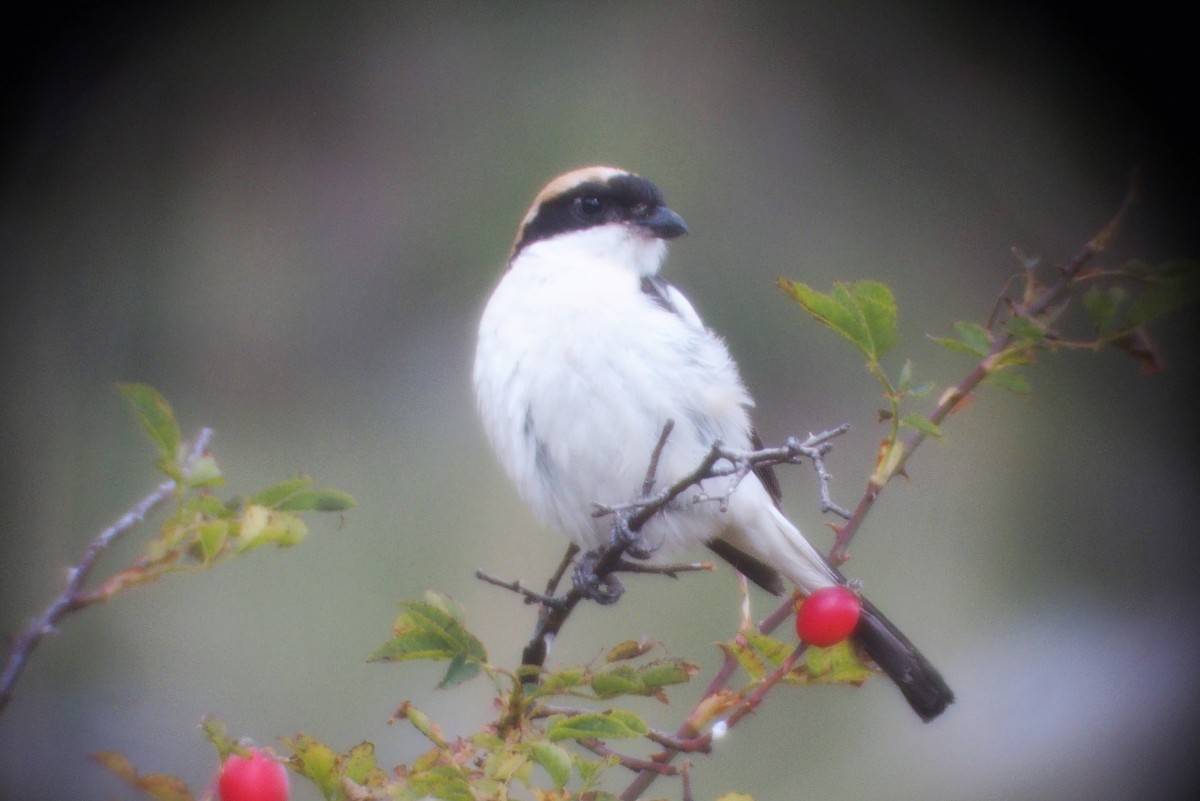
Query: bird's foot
[604,590]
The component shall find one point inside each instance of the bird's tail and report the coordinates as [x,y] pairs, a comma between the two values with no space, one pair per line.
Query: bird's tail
[785,549]
[920,682]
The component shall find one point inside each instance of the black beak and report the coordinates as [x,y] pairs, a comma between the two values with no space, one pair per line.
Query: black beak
[663,223]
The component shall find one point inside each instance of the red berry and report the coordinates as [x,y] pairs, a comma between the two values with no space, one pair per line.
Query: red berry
[259,778]
[828,616]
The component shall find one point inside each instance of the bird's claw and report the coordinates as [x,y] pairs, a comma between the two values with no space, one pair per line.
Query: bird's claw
[604,590]
[635,544]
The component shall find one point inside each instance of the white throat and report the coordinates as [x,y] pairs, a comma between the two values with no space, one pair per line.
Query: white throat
[618,244]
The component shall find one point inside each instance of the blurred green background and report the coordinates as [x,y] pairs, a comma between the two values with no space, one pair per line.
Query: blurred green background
[286,218]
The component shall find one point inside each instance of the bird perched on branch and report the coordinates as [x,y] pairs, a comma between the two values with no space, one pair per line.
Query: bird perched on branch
[584,354]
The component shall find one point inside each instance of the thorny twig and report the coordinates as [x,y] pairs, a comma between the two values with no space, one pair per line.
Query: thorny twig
[73,597]
[1034,305]
[629,518]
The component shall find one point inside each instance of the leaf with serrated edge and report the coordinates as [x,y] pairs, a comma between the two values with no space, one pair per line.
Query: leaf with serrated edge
[360,762]
[1012,381]
[620,680]
[878,309]
[665,672]
[272,496]
[615,724]
[156,416]
[974,337]
[836,310]
[316,761]
[836,664]
[630,649]
[556,761]
[317,500]
[747,658]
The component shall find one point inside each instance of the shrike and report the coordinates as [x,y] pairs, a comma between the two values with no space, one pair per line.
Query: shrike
[584,353]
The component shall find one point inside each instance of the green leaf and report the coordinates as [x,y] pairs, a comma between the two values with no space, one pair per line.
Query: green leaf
[422,723]
[155,415]
[864,312]
[1102,305]
[614,724]
[159,786]
[212,537]
[261,526]
[1173,285]
[204,473]
[360,766]
[316,761]
[216,733]
[836,664]
[561,681]
[1010,380]
[921,424]
[460,670]
[317,500]
[1026,331]
[629,649]
[272,496]
[433,629]
[956,345]
[665,672]
[443,782]
[974,336]
[621,680]
[555,759]
[747,657]
[774,650]
[205,507]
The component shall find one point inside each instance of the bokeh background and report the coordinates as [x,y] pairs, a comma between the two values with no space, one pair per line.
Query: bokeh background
[287,218]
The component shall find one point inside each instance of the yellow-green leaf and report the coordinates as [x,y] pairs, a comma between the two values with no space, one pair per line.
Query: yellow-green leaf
[317,500]
[360,765]
[433,629]
[204,472]
[747,658]
[1010,380]
[159,786]
[443,782]
[864,312]
[316,761]
[556,761]
[921,424]
[630,649]
[667,671]
[774,650]
[155,415]
[620,680]
[837,664]
[274,495]
[212,537]
[215,732]
[615,724]
[422,723]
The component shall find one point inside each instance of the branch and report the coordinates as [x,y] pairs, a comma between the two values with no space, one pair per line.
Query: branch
[632,516]
[1035,303]
[73,597]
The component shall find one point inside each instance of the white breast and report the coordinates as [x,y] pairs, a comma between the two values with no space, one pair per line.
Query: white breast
[576,372]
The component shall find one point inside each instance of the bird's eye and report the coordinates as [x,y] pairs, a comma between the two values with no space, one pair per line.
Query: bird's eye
[590,205]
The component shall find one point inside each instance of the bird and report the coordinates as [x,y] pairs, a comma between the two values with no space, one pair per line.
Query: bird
[585,351]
